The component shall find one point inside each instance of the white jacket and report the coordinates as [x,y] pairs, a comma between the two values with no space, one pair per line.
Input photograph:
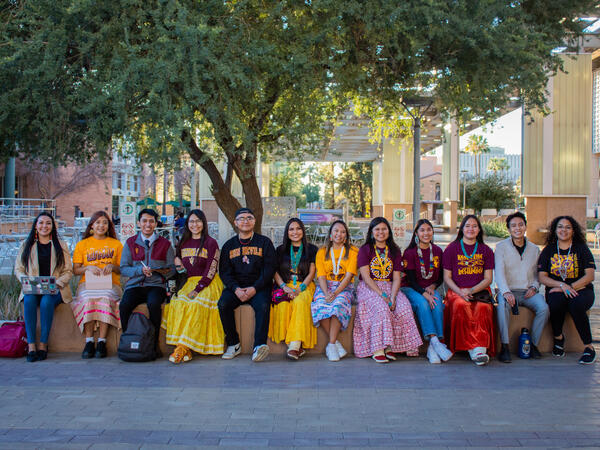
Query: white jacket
[514,271]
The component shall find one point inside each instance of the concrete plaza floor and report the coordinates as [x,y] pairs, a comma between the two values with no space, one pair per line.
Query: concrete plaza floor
[66,402]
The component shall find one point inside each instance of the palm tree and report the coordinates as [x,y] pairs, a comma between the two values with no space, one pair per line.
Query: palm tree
[476,146]
[498,165]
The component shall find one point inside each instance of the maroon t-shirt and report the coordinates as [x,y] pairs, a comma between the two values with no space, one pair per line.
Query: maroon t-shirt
[467,272]
[411,262]
[367,257]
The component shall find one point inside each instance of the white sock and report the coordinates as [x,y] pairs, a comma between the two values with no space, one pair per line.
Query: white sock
[434,339]
[87,339]
[101,339]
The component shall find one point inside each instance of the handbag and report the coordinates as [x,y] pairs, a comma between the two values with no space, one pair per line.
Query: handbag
[279,295]
[484,297]
[175,282]
[13,340]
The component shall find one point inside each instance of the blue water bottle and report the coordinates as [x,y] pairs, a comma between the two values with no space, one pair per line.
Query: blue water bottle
[524,344]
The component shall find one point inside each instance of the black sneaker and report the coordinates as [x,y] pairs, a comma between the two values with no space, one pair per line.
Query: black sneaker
[42,355]
[88,350]
[535,353]
[32,356]
[101,349]
[588,356]
[559,347]
[504,355]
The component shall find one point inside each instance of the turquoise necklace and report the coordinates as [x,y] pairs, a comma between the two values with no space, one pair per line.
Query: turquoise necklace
[462,246]
[295,262]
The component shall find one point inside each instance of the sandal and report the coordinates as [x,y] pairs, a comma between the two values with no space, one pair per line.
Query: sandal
[178,354]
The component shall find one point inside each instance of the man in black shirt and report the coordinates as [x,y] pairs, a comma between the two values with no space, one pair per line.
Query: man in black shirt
[247,266]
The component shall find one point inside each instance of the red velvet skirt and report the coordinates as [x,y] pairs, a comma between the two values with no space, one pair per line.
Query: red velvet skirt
[468,324]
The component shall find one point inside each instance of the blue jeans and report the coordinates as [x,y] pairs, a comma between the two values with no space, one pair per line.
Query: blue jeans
[431,320]
[47,303]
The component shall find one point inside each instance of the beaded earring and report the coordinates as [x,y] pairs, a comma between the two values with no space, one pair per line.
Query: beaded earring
[417,240]
[36,235]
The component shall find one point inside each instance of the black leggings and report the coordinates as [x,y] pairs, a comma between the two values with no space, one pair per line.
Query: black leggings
[559,304]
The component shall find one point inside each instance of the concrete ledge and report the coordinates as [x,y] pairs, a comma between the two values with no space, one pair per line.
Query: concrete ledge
[66,337]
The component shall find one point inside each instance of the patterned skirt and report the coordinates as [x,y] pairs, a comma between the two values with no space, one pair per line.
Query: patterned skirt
[340,307]
[378,328]
[292,321]
[468,324]
[195,323]
[97,305]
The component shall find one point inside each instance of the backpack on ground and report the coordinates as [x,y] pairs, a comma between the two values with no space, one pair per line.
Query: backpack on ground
[137,342]
[13,340]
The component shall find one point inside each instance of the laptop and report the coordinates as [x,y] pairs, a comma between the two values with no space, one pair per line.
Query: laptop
[39,285]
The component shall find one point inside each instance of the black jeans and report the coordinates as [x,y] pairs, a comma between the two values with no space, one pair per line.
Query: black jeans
[559,305]
[261,304]
[154,296]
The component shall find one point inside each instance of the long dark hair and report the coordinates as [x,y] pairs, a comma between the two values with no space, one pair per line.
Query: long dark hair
[421,222]
[460,234]
[286,264]
[111,228]
[187,234]
[578,236]
[32,239]
[394,249]
[347,244]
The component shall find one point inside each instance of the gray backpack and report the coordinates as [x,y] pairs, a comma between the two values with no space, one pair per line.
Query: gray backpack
[137,342]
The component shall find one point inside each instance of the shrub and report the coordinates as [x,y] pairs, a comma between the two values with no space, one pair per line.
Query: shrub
[10,308]
[497,229]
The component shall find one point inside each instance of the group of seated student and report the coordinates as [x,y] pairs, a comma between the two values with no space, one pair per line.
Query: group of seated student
[297,288]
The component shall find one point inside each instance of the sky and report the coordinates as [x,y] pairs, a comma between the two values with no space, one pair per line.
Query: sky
[504,132]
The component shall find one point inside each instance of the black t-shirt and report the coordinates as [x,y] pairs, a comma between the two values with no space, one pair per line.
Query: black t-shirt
[44,257]
[573,264]
[284,262]
[248,263]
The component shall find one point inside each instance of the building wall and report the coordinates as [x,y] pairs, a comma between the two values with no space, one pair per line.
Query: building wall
[467,162]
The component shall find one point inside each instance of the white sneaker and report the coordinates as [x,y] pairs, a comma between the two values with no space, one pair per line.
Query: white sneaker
[443,352]
[232,351]
[478,356]
[340,349]
[332,352]
[432,355]
[260,352]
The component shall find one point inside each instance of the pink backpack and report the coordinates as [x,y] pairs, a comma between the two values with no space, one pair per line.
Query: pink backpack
[13,340]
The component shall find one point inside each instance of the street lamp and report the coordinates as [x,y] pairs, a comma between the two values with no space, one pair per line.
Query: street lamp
[416,108]
[464,173]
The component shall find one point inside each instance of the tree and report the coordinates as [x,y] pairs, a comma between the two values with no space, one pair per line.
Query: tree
[288,183]
[230,81]
[498,165]
[355,184]
[476,146]
[492,191]
[327,174]
[225,82]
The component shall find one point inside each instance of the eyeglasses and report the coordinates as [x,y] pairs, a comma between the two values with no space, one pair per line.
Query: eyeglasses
[245,219]
[194,222]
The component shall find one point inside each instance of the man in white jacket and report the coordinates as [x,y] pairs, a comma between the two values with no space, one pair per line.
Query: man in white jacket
[517,281]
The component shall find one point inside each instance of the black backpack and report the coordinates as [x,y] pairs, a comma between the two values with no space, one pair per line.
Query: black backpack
[137,342]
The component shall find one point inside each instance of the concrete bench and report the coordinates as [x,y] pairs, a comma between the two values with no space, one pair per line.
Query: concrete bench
[66,337]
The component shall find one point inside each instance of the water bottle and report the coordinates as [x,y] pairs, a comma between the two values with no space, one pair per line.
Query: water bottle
[524,344]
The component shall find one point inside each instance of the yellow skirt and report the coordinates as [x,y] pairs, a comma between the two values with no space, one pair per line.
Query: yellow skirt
[195,322]
[292,321]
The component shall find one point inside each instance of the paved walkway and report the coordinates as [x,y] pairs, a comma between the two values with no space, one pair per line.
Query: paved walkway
[66,402]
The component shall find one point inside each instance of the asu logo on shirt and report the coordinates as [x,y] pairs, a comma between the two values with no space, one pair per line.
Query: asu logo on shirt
[99,254]
[245,251]
[193,253]
[470,266]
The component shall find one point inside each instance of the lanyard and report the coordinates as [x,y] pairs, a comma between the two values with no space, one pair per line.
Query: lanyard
[336,266]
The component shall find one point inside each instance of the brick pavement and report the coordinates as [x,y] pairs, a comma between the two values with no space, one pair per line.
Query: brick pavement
[66,402]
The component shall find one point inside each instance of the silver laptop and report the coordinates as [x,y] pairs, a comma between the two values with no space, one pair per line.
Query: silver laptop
[39,285]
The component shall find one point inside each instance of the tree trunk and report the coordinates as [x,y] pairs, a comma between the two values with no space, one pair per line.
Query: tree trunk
[362,199]
[165,190]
